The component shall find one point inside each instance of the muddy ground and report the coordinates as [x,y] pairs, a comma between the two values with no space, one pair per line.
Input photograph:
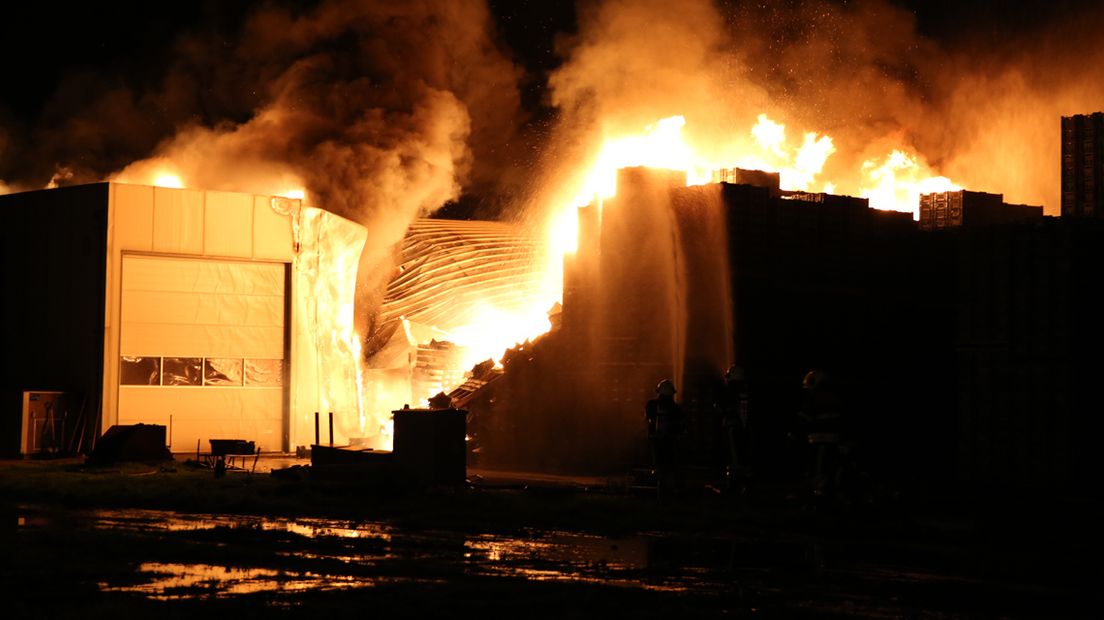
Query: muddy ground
[172,541]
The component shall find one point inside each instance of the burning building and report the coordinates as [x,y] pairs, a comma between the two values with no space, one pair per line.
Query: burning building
[679,282]
[461,293]
[214,314]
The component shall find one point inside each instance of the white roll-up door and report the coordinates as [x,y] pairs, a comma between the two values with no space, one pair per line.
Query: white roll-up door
[203,341]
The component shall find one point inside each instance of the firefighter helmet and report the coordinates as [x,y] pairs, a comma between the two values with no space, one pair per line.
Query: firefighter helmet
[666,388]
[734,373]
[812,379]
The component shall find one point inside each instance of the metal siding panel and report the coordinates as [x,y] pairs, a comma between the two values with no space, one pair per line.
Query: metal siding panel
[205,413]
[203,308]
[228,225]
[133,217]
[272,234]
[177,221]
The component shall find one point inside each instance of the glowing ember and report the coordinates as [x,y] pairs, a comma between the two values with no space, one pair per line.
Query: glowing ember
[168,179]
[493,330]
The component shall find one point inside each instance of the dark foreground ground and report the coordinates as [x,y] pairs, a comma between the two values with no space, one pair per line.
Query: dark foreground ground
[167,541]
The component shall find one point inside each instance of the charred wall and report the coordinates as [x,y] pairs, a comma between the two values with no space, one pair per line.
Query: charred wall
[1029,342]
[54,283]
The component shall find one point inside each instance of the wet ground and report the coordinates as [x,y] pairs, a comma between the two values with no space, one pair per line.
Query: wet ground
[169,542]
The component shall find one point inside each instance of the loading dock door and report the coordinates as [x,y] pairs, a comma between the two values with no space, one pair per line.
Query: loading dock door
[203,341]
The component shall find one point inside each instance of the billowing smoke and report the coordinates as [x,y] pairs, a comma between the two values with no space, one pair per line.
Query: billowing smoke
[983,111]
[979,105]
[382,111]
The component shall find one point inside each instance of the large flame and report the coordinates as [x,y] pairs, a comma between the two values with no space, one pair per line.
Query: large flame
[496,329]
[897,182]
[894,182]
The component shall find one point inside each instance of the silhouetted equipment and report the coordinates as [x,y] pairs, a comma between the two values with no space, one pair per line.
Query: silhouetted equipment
[41,424]
[1083,165]
[440,401]
[131,442]
[965,208]
[429,449]
[232,453]
[430,445]
[224,447]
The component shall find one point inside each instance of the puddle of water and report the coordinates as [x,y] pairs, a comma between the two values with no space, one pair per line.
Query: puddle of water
[574,549]
[179,581]
[327,554]
[153,520]
[578,558]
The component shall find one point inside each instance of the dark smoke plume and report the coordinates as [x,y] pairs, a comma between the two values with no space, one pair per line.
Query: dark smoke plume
[384,111]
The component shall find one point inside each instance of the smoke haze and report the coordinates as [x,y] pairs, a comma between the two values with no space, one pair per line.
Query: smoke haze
[382,111]
[382,108]
[984,112]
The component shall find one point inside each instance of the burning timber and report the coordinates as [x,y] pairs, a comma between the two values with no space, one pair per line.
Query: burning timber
[461,293]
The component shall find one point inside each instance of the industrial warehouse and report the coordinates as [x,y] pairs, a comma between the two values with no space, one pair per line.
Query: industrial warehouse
[219,315]
[176,308]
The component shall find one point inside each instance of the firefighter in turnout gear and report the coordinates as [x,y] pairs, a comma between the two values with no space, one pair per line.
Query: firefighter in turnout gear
[736,423]
[666,421]
[821,421]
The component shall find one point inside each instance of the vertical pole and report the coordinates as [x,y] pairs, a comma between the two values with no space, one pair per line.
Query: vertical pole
[170,432]
[331,428]
[316,439]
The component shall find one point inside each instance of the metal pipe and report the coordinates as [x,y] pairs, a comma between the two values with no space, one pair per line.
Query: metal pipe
[316,439]
[331,428]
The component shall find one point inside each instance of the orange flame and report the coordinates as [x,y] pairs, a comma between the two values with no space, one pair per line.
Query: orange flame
[896,184]
[893,184]
[168,179]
